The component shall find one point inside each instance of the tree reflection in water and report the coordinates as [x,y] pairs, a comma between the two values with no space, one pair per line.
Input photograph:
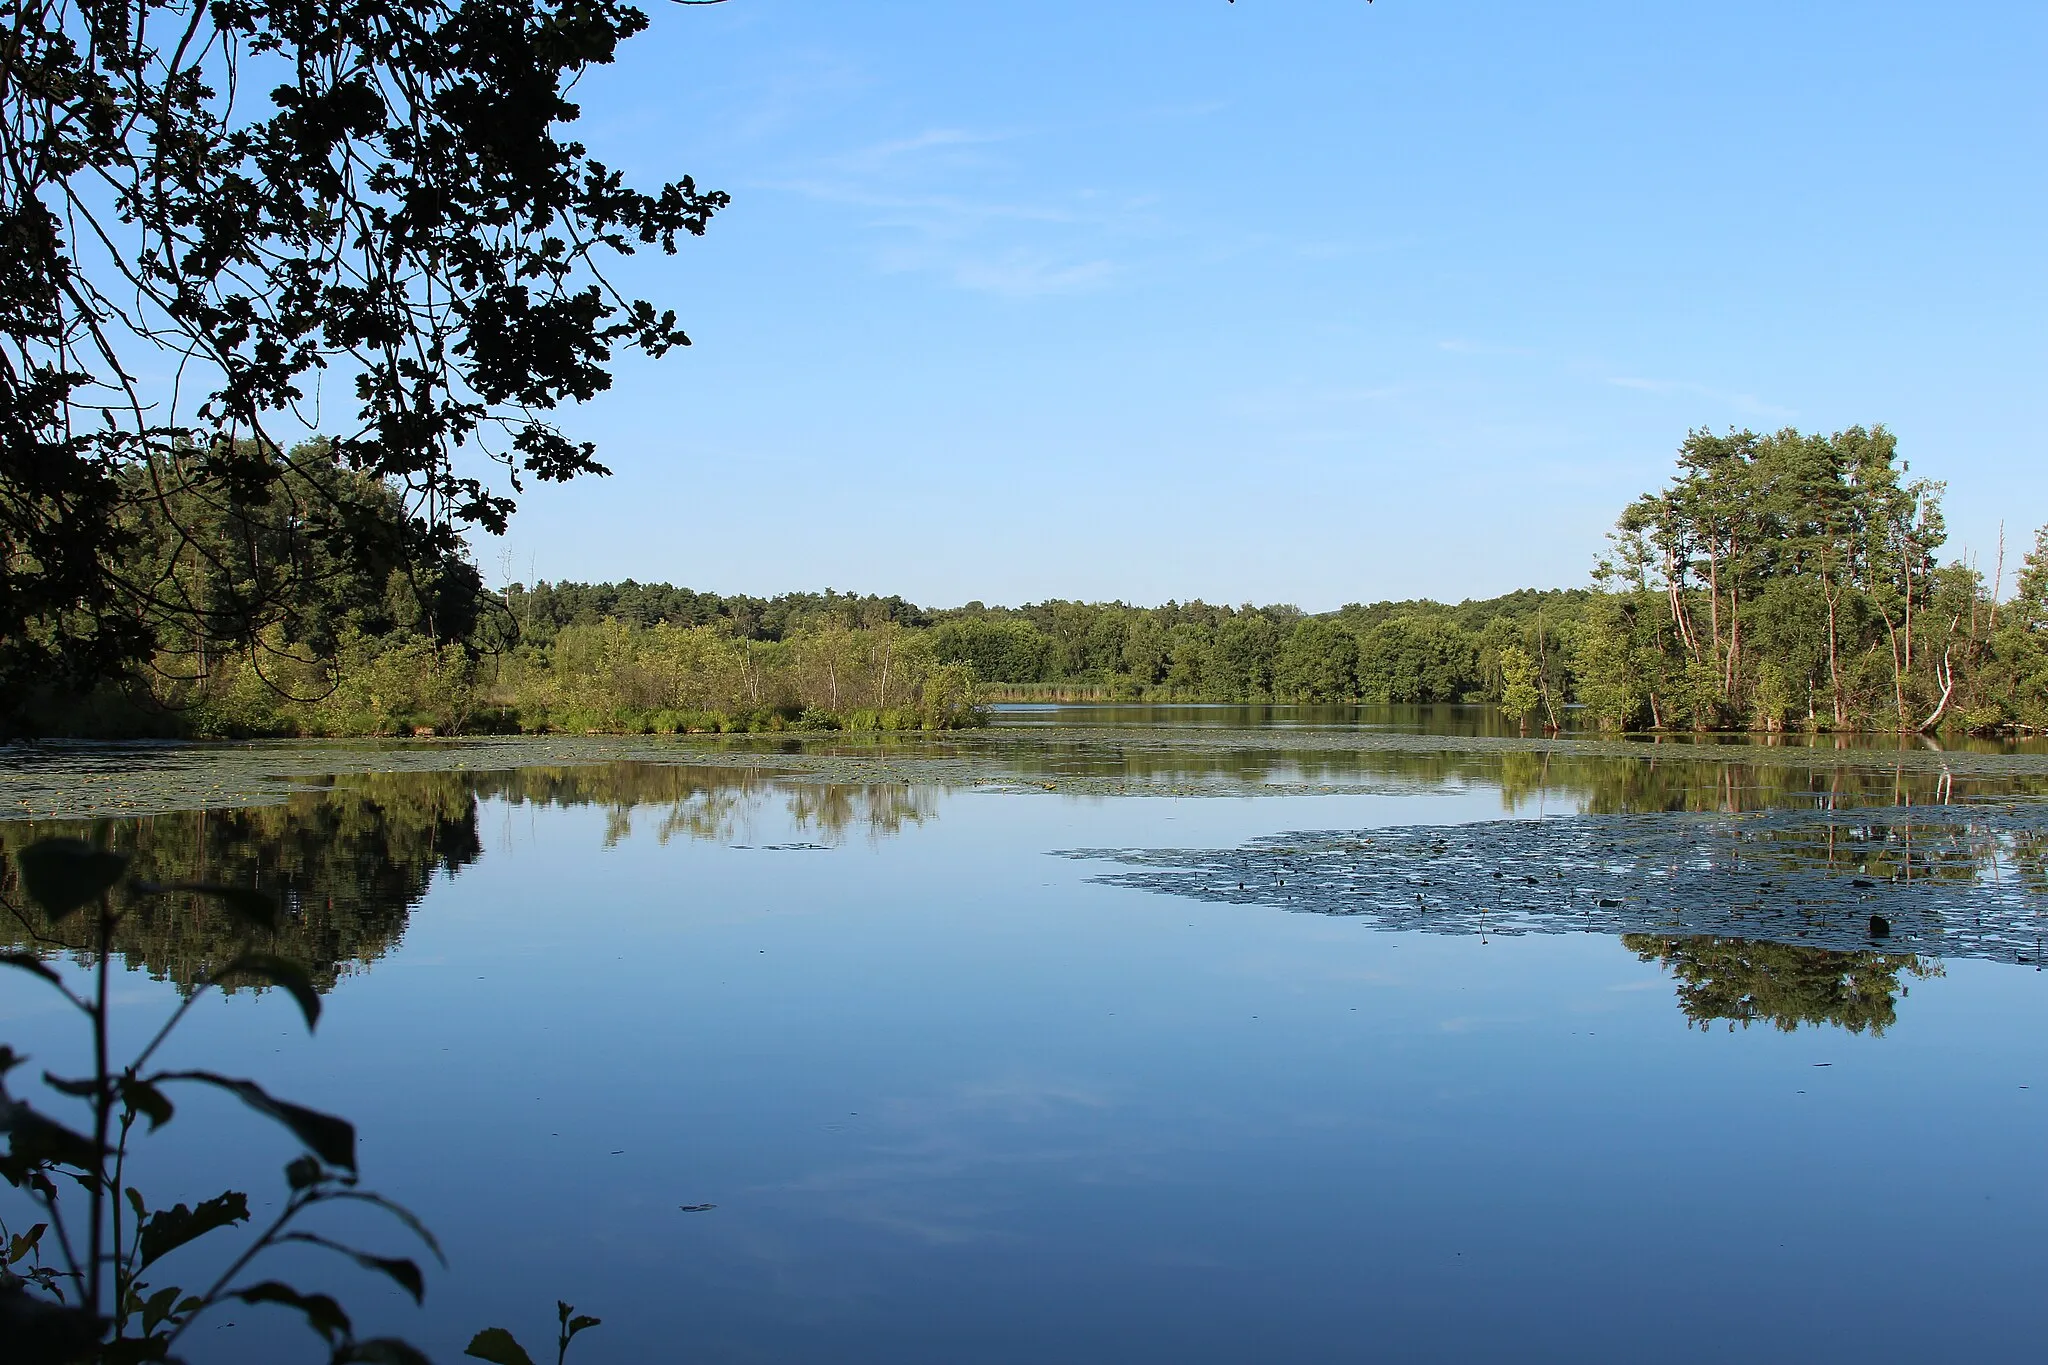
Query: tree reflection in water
[1758,916]
[712,803]
[348,858]
[1745,981]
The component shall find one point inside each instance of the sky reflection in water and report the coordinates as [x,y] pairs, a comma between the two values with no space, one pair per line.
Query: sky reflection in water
[954,1100]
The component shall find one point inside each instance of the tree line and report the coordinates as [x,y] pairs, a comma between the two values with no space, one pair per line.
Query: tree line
[1776,582]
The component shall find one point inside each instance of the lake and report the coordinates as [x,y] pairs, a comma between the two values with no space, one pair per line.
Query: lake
[1125,1034]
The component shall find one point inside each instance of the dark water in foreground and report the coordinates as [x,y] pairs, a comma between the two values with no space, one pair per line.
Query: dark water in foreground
[955,1099]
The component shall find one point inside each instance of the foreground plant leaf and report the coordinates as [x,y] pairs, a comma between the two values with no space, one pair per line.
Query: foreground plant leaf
[282,973]
[168,1229]
[405,1274]
[331,1139]
[497,1345]
[380,1351]
[322,1313]
[63,874]
[35,1140]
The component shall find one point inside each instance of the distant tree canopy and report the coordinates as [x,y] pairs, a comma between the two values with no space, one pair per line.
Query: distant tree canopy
[543,609]
[1387,652]
[322,552]
[225,225]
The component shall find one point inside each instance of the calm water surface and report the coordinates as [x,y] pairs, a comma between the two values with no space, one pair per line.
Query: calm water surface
[956,1099]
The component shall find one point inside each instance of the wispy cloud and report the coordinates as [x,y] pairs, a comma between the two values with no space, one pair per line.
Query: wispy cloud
[1308,402]
[926,211]
[950,203]
[1741,402]
[1021,275]
[796,90]
[894,151]
[1462,346]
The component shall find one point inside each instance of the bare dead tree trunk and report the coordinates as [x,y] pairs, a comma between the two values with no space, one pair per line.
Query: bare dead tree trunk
[1734,640]
[1909,613]
[1997,580]
[1945,674]
[1680,617]
[1898,673]
[1714,604]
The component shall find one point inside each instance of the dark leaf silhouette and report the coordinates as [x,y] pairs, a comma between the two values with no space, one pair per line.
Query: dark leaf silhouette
[145,1099]
[63,874]
[331,1139]
[380,1351]
[35,1140]
[497,1345]
[400,1271]
[168,1229]
[280,972]
[321,1312]
[29,962]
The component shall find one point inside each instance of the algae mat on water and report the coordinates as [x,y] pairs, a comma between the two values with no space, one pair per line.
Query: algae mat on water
[1947,881]
[91,781]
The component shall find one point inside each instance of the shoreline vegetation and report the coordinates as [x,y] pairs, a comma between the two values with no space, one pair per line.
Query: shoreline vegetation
[1779,583]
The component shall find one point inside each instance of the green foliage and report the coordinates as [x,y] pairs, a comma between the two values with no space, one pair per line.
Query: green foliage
[949,697]
[1318,662]
[1388,652]
[612,676]
[1518,694]
[2014,688]
[2029,608]
[1005,649]
[397,685]
[1415,658]
[1793,581]
[1244,657]
[544,609]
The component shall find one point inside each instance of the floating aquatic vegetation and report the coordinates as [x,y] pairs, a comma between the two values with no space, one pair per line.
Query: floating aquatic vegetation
[93,781]
[1943,881]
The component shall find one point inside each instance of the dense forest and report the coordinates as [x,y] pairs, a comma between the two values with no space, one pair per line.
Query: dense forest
[1781,581]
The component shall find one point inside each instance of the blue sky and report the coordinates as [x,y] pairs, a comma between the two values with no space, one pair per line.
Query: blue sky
[1295,300]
